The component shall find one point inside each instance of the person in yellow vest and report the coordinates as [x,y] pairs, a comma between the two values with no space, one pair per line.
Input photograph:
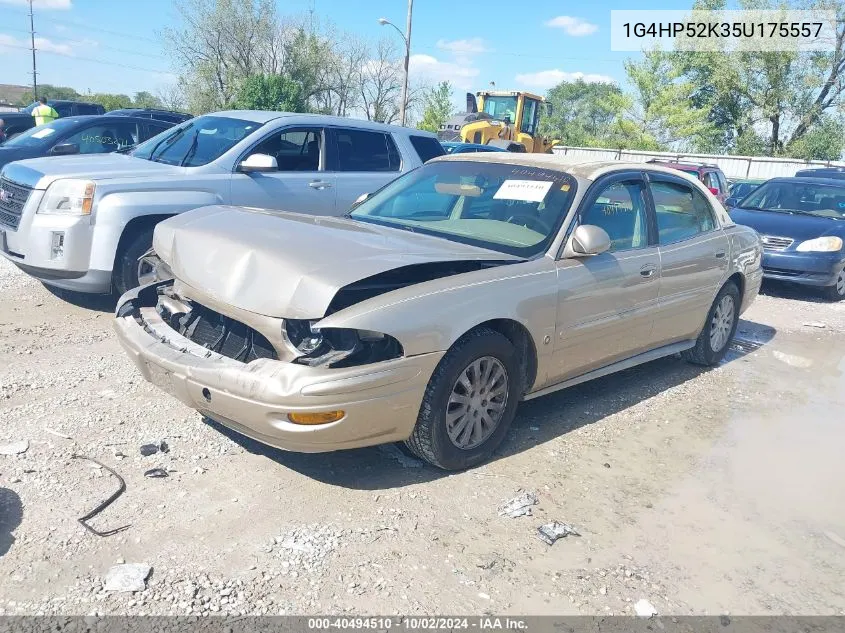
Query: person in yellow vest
[44,113]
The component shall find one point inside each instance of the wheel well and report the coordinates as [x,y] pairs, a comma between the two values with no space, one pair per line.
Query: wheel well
[134,227]
[739,280]
[523,342]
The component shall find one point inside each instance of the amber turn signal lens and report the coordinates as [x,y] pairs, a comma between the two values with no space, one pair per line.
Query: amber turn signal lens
[316,418]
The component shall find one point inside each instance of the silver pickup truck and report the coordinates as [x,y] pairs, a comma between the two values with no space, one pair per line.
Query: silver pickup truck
[82,223]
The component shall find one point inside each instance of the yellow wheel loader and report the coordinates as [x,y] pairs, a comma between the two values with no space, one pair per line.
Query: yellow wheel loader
[504,119]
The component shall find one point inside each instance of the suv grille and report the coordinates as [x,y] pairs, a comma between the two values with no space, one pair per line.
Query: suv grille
[774,243]
[13,197]
[220,334]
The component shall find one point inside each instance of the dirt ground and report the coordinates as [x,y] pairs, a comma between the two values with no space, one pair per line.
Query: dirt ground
[703,492]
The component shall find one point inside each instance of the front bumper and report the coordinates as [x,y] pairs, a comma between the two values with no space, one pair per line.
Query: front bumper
[381,401]
[810,269]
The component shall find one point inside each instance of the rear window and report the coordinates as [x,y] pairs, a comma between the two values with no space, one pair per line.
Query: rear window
[362,150]
[427,147]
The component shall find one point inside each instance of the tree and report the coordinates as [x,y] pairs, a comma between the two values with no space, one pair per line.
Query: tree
[145,99]
[271,92]
[110,101]
[381,84]
[172,96]
[50,92]
[822,142]
[582,113]
[437,107]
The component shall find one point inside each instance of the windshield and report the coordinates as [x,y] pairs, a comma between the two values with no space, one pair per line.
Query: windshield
[512,209]
[42,135]
[501,107]
[196,142]
[818,199]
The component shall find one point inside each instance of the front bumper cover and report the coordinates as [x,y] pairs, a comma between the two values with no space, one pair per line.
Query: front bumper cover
[381,401]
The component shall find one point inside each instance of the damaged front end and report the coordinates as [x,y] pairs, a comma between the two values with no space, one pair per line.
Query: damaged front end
[246,337]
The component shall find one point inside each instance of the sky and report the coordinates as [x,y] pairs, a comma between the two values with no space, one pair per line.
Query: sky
[114,45]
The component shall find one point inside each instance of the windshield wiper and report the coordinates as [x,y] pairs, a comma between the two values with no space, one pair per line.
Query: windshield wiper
[787,211]
[192,149]
[169,140]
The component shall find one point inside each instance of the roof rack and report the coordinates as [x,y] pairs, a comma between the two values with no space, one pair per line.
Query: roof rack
[681,162]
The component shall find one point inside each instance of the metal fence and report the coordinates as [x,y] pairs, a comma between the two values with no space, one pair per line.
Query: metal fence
[762,167]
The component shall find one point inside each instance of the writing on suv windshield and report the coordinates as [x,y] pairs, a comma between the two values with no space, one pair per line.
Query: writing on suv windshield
[820,199]
[512,209]
[197,142]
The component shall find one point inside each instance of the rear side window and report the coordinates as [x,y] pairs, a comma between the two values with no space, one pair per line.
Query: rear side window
[64,109]
[426,147]
[362,150]
[87,108]
[154,128]
[682,212]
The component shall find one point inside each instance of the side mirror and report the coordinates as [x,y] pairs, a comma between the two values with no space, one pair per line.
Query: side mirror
[587,240]
[64,149]
[258,163]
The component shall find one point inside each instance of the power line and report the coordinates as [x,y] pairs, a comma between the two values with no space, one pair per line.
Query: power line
[89,59]
[88,27]
[102,46]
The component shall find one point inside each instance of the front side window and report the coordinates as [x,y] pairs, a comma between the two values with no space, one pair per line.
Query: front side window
[196,142]
[620,209]
[362,150]
[105,137]
[682,213]
[529,117]
[501,108]
[294,149]
[797,197]
[506,208]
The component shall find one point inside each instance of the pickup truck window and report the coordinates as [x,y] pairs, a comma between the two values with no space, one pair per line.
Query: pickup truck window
[196,142]
[426,147]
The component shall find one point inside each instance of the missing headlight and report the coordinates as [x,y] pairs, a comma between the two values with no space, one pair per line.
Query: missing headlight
[338,347]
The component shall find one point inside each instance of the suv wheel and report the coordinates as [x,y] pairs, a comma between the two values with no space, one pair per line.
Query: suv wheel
[127,268]
[719,328]
[469,403]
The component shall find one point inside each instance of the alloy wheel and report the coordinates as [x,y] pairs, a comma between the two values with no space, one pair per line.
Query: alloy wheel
[722,323]
[477,402]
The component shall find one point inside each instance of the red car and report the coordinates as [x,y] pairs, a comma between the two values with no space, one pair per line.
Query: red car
[710,175]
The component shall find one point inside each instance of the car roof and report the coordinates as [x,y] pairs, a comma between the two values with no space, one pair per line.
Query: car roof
[808,180]
[588,170]
[263,116]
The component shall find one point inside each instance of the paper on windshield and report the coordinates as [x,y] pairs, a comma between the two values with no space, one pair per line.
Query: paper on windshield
[47,131]
[524,190]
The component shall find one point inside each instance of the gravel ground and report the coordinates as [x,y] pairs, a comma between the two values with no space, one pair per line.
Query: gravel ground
[702,492]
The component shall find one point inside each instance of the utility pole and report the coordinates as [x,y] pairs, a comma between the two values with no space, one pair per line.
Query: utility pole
[407,37]
[407,61]
[32,38]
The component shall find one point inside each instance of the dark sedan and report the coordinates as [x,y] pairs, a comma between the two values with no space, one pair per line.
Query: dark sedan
[97,134]
[801,222]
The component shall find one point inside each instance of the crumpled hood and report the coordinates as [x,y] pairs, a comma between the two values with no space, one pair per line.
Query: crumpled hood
[40,172]
[290,265]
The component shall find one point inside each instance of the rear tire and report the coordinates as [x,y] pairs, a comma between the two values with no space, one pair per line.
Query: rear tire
[469,403]
[125,275]
[836,292]
[719,328]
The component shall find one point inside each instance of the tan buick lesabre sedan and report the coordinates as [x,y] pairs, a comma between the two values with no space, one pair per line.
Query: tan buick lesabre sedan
[438,303]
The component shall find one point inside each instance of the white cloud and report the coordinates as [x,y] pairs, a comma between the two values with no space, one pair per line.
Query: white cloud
[62,5]
[464,47]
[60,28]
[550,78]
[576,27]
[45,44]
[430,68]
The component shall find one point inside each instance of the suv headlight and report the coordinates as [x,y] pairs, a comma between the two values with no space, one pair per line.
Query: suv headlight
[829,244]
[68,197]
[338,347]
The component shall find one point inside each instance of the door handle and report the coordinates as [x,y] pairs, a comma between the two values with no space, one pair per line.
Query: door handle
[319,184]
[648,271]
[719,254]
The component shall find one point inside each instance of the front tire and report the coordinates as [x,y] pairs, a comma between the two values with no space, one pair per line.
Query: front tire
[719,328]
[125,275]
[836,292]
[469,403]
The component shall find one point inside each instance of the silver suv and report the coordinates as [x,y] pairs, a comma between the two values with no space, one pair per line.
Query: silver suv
[83,222]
